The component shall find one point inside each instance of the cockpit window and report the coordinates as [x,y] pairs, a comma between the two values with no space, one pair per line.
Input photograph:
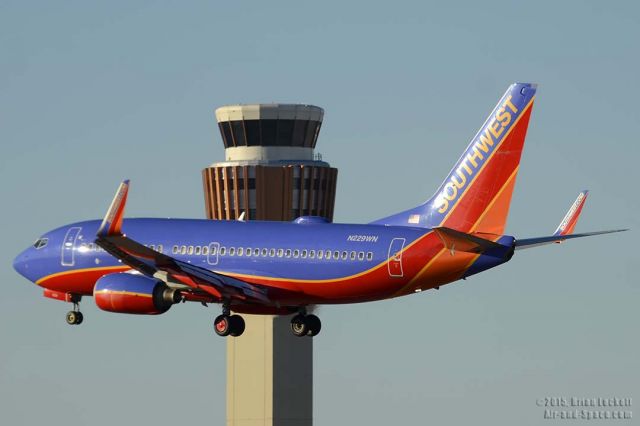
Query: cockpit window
[41,242]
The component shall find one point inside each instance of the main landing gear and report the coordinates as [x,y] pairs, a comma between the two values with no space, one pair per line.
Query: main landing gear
[75,317]
[227,324]
[304,324]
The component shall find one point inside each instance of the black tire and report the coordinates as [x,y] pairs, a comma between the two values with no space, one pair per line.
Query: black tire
[72,317]
[79,318]
[299,325]
[237,325]
[222,325]
[313,324]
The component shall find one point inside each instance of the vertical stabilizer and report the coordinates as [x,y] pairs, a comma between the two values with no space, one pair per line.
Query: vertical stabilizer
[476,195]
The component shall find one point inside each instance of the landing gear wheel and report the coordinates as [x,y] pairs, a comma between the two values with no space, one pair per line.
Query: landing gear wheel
[74,318]
[237,325]
[299,325]
[314,325]
[222,325]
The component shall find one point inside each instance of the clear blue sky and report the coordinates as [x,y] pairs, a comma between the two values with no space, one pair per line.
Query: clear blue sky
[91,93]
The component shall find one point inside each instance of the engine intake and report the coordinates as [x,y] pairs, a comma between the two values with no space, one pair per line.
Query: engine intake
[134,294]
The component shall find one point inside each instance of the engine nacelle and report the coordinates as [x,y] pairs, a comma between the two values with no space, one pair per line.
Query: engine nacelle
[133,294]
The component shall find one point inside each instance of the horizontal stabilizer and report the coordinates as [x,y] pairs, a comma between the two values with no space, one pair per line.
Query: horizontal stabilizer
[459,241]
[539,241]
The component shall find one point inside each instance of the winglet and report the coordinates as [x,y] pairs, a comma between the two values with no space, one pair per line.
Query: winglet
[112,222]
[571,218]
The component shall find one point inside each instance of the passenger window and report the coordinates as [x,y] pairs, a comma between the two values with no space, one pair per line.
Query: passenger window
[320,254]
[198,250]
[174,250]
[190,250]
[183,249]
[336,255]
[240,251]
[280,252]
[232,251]
[223,250]
[264,252]
[353,255]
[327,254]
[287,253]
[296,253]
[205,250]
[303,254]
[272,252]
[312,254]
[361,255]
[151,246]
[369,256]
[256,252]
[248,251]
[344,255]
[159,248]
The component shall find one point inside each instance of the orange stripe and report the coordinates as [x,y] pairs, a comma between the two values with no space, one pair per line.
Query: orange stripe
[506,136]
[437,256]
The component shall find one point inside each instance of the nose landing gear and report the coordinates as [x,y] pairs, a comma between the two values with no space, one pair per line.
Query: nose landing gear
[75,317]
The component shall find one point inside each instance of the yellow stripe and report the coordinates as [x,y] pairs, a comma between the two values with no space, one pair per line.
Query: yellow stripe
[493,201]
[74,271]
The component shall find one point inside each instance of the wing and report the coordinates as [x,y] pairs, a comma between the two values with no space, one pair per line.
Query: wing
[174,272]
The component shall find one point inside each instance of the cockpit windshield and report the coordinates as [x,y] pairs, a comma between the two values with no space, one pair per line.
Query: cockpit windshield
[40,242]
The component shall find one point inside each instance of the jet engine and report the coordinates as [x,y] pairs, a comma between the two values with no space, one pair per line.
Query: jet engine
[134,294]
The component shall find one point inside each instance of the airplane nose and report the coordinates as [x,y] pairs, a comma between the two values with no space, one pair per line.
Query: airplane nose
[20,263]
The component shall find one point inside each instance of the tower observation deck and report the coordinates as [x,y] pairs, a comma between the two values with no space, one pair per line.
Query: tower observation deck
[270,170]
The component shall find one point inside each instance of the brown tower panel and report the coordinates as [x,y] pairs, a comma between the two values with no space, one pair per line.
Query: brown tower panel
[269,192]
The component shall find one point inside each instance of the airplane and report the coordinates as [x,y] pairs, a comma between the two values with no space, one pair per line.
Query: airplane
[145,265]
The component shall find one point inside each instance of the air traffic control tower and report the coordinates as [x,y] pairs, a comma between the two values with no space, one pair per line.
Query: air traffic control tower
[270,172]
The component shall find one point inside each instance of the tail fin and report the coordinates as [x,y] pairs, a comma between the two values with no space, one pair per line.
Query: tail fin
[476,195]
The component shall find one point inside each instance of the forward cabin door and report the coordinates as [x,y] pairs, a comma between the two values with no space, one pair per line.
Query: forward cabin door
[395,257]
[68,246]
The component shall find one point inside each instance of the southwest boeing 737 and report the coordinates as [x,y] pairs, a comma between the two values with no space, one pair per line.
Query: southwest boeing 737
[144,266]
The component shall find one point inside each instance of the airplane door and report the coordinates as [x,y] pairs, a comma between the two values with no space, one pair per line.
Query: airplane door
[395,257]
[212,256]
[68,244]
